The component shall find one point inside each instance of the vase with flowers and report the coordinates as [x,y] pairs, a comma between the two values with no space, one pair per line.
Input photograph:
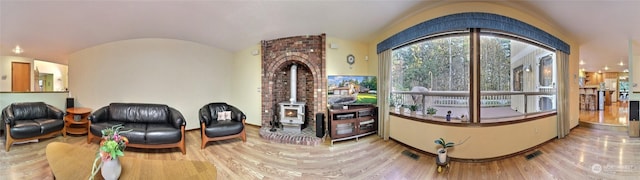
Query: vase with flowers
[111,147]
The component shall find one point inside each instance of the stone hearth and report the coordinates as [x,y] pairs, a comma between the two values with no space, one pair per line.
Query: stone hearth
[306,137]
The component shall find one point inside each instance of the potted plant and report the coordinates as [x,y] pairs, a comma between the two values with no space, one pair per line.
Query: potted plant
[431,111]
[442,152]
[413,109]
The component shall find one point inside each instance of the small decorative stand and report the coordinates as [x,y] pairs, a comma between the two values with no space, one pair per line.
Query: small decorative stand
[76,121]
[442,165]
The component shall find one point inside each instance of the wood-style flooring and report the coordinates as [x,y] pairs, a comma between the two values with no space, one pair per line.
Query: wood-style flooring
[584,154]
[616,114]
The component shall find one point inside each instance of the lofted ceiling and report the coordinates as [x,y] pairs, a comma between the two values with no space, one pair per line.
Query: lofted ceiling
[51,30]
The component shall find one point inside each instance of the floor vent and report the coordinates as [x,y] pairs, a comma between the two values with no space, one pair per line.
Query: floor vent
[532,155]
[410,154]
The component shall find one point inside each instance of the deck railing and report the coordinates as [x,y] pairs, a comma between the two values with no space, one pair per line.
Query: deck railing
[523,102]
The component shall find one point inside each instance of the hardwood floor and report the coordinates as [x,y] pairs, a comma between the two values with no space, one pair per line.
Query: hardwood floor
[615,114]
[584,154]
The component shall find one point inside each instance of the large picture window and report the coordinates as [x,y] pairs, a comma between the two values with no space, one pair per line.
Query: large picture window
[517,78]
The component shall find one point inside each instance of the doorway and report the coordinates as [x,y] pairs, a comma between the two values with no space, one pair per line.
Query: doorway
[45,82]
[20,77]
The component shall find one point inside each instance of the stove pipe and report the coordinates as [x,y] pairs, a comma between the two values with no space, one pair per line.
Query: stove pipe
[294,69]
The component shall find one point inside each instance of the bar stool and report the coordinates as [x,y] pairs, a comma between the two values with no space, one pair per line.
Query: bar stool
[591,102]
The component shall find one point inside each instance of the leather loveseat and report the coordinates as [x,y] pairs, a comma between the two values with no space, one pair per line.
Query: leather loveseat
[152,125]
[31,120]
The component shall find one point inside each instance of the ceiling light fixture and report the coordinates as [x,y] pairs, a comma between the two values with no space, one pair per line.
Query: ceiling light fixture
[606,68]
[599,71]
[581,62]
[621,63]
[626,70]
[17,50]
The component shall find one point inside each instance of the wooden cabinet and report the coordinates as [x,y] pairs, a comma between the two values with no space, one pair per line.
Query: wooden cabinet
[354,122]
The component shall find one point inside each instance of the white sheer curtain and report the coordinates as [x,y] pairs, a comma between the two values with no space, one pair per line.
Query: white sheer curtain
[384,88]
[562,94]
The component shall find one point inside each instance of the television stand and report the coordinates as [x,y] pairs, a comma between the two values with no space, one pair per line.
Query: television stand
[352,123]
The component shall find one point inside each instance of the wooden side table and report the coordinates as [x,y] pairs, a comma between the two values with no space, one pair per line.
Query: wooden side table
[76,121]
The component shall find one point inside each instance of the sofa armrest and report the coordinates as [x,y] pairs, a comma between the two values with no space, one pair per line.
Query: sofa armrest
[99,115]
[204,116]
[7,116]
[55,113]
[176,118]
[238,114]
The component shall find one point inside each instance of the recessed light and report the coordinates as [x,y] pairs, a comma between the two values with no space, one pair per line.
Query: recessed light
[17,50]
[599,71]
[581,62]
[621,63]
[606,68]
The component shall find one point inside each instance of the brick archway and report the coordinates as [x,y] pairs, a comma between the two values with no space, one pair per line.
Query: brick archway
[308,52]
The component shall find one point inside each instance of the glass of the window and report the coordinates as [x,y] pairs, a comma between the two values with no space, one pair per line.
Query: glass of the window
[433,74]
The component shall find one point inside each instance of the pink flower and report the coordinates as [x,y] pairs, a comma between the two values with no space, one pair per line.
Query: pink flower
[105,156]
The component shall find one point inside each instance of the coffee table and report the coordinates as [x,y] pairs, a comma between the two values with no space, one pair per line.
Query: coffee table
[69,162]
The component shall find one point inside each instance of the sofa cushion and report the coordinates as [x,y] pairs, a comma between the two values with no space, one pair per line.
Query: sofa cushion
[49,125]
[162,134]
[137,133]
[29,110]
[139,113]
[25,129]
[223,128]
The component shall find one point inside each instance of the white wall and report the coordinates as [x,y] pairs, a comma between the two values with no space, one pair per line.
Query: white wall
[59,71]
[337,58]
[57,99]
[184,75]
[634,70]
[5,71]
[246,84]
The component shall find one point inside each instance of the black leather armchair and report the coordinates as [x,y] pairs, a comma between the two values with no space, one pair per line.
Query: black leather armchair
[213,129]
[31,120]
[152,125]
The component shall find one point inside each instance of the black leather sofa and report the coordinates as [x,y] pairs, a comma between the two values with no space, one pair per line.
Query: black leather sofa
[31,120]
[152,125]
[213,129]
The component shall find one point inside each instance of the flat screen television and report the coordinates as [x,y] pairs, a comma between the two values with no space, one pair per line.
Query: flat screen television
[352,90]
